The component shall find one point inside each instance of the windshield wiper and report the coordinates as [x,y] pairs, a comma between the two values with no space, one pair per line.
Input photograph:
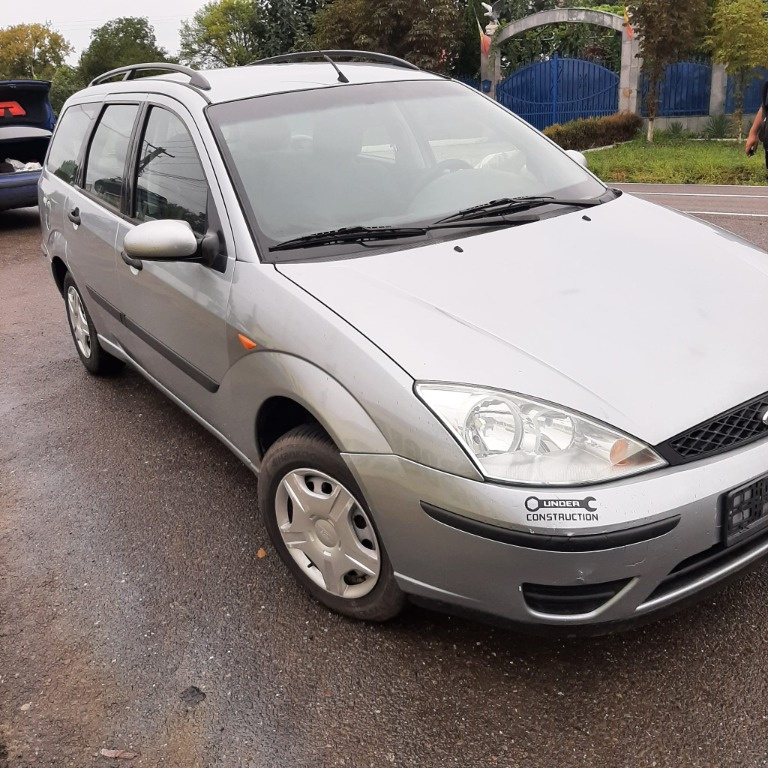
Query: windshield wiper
[364,234]
[349,235]
[505,205]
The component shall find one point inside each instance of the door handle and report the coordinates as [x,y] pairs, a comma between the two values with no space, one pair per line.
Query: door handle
[74,215]
[135,263]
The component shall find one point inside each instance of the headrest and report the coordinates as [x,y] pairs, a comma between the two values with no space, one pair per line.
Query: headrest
[337,135]
[267,134]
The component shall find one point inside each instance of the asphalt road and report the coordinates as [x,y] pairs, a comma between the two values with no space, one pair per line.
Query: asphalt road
[143,609]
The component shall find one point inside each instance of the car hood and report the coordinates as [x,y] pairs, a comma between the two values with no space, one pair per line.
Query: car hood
[632,313]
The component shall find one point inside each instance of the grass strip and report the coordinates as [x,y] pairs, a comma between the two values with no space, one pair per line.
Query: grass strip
[679,161]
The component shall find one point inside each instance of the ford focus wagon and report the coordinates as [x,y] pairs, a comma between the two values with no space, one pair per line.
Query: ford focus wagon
[465,371]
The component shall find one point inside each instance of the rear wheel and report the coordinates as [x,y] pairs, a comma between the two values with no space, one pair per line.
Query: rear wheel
[92,355]
[320,526]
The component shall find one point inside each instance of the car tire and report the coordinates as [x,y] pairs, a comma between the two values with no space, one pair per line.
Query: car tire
[92,355]
[322,529]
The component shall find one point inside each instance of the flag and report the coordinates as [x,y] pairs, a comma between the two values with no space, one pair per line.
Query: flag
[485,40]
[630,31]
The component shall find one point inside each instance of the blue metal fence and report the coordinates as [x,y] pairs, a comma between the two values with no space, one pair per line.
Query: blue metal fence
[471,81]
[684,90]
[560,90]
[751,94]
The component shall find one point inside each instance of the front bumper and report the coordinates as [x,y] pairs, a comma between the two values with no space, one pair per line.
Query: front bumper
[537,555]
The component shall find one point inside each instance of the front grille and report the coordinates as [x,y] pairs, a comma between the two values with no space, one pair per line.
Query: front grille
[570,601]
[738,426]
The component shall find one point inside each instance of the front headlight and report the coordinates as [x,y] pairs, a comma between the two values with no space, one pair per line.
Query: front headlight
[521,440]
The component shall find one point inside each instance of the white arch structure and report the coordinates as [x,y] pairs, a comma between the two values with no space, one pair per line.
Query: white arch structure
[629,77]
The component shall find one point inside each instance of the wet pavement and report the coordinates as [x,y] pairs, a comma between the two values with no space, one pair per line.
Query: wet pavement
[143,609]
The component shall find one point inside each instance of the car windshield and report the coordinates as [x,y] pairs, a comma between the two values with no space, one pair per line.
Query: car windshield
[392,154]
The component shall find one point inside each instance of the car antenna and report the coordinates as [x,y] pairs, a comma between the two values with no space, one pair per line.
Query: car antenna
[342,77]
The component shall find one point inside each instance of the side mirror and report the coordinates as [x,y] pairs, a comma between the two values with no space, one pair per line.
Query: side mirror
[579,157]
[166,239]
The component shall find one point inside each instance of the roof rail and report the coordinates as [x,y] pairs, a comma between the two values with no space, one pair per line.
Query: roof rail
[379,58]
[129,73]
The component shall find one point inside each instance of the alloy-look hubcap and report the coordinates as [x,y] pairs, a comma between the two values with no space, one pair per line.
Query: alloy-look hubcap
[79,322]
[327,533]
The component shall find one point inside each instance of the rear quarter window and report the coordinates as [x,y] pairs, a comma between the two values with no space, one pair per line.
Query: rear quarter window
[66,147]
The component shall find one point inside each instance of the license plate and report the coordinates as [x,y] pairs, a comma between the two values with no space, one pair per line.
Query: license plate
[745,511]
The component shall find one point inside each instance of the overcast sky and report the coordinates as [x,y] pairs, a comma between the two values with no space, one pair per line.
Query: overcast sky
[76,18]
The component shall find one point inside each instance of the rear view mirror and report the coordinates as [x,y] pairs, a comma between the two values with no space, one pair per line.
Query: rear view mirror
[579,157]
[169,239]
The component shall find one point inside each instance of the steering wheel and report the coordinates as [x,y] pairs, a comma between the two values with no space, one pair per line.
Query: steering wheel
[449,165]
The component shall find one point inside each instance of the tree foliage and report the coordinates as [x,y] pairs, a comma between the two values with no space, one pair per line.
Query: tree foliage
[666,31]
[228,33]
[577,41]
[65,81]
[224,33]
[122,41]
[739,41]
[291,23]
[426,32]
[31,51]
[467,60]
[511,10]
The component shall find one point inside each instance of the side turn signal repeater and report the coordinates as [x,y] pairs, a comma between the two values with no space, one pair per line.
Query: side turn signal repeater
[246,342]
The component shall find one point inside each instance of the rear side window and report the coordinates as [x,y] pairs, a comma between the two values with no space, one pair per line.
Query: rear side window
[105,168]
[170,182]
[73,127]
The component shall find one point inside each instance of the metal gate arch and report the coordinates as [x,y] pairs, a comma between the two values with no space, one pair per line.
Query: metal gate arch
[559,90]
[631,62]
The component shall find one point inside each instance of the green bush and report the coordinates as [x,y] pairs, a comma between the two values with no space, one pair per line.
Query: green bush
[718,127]
[676,130]
[595,131]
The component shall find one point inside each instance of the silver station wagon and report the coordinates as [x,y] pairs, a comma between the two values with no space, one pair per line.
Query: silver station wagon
[466,372]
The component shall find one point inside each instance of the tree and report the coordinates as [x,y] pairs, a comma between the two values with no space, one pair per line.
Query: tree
[65,81]
[291,23]
[224,33]
[739,41]
[426,32]
[229,33]
[666,32]
[31,51]
[467,62]
[511,10]
[122,41]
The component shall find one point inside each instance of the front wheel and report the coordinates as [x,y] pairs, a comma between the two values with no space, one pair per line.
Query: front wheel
[319,524]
